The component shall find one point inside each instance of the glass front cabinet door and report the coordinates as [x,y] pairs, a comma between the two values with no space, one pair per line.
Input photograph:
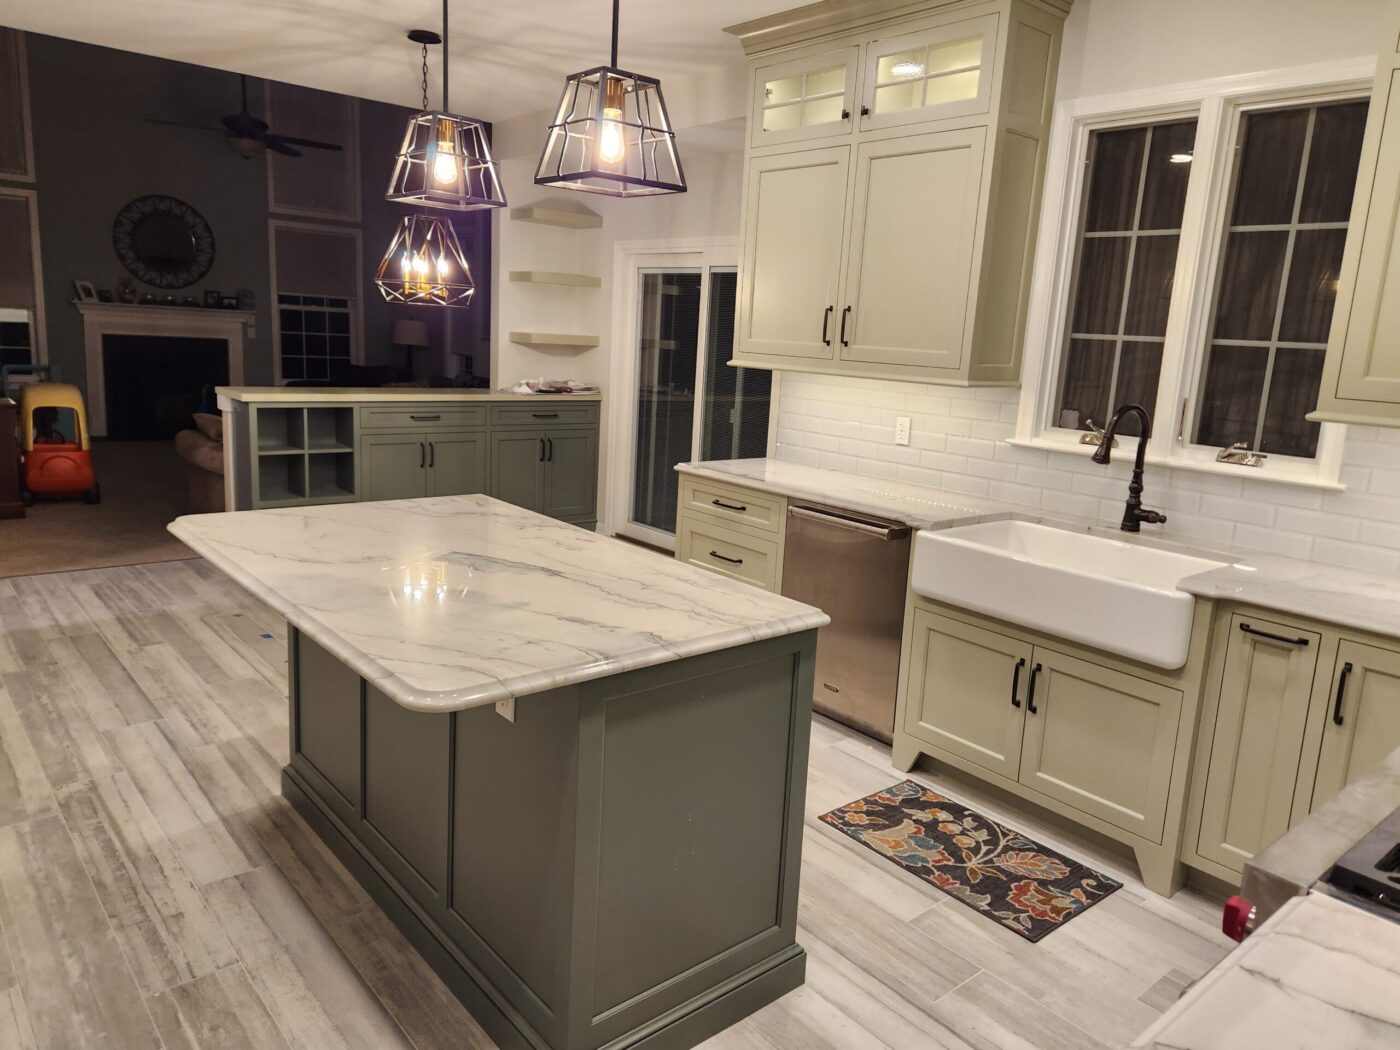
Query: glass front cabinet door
[805,98]
[930,74]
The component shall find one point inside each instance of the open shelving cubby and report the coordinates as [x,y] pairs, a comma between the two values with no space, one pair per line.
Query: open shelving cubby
[330,429]
[331,477]
[281,429]
[281,479]
[305,454]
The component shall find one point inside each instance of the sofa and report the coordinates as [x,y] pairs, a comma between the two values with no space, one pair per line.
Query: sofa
[202,451]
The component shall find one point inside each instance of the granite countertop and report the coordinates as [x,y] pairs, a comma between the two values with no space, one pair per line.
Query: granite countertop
[1320,973]
[267,394]
[459,601]
[1345,597]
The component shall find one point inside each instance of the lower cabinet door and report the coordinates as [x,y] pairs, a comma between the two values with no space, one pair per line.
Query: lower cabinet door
[966,691]
[456,464]
[1363,717]
[1260,719]
[1101,741]
[517,468]
[393,466]
[571,473]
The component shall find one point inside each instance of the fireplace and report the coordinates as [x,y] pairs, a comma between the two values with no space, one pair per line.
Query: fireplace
[153,383]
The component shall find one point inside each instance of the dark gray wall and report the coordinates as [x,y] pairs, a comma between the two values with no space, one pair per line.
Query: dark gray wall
[95,150]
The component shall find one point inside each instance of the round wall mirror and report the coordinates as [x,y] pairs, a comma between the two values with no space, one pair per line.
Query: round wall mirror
[163,242]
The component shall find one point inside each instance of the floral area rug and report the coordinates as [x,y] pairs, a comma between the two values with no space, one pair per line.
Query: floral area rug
[987,866]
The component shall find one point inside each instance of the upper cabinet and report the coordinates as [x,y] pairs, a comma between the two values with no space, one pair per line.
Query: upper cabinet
[895,160]
[1361,377]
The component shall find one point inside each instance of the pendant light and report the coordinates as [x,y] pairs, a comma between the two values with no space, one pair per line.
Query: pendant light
[425,265]
[611,135]
[445,160]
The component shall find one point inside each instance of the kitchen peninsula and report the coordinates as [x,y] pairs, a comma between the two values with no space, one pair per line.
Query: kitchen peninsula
[571,771]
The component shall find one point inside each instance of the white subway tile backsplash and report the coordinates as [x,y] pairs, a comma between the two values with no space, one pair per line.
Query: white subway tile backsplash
[959,442]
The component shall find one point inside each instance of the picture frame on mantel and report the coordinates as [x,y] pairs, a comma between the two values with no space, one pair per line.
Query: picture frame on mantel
[85,291]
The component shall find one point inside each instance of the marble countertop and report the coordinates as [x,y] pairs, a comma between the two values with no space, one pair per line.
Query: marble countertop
[1345,597]
[1320,973]
[459,601]
[332,394]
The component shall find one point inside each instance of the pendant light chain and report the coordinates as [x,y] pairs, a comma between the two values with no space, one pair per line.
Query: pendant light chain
[425,76]
[445,107]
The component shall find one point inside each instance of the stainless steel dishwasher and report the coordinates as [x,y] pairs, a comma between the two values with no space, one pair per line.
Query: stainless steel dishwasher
[855,569]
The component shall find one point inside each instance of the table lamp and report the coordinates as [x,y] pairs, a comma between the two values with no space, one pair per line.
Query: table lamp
[411,335]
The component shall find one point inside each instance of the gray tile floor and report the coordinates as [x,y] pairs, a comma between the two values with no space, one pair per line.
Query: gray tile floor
[156,892]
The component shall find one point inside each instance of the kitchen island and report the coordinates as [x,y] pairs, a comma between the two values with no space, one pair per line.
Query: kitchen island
[570,770]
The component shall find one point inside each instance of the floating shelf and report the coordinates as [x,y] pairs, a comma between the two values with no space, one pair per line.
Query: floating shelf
[567,280]
[554,340]
[546,216]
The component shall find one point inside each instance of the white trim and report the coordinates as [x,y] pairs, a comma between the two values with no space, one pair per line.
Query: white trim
[104,319]
[39,335]
[25,115]
[349,150]
[630,258]
[357,327]
[1217,105]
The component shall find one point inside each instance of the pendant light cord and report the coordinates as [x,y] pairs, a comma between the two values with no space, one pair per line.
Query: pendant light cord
[445,107]
[616,5]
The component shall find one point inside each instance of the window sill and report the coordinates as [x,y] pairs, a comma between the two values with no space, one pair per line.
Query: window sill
[1272,473]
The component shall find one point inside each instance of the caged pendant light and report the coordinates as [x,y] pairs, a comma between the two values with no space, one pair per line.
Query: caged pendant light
[445,160]
[425,265]
[611,135]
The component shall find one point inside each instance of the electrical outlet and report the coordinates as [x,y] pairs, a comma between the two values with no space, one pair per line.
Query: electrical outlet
[901,430]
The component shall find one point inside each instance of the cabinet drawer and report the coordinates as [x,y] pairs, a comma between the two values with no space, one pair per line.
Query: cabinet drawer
[739,505]
[740,557]
[420,417]
[543,415]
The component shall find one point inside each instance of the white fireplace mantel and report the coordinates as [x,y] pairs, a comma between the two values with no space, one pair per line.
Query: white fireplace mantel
[192,322]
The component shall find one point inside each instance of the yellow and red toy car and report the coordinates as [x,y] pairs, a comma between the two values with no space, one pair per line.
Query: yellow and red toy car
[54,445]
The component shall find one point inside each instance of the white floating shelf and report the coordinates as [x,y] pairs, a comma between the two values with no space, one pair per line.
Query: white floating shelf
[554,340]
[546,216]
[566,280]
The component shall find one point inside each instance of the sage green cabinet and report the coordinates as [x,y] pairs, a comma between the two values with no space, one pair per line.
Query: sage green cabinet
[1258,713]
[433,463]
[552,471]
[1362,723]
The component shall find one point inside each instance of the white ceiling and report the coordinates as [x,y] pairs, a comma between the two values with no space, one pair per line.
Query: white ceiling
[508,56]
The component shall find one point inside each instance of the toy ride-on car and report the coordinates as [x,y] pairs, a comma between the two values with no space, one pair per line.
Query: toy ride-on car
[54,445]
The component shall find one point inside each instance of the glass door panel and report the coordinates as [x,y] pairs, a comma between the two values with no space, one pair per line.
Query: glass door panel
[734,422]
[929,75]
[804,98]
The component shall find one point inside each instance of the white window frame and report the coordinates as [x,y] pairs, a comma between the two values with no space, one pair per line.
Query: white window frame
[38,322]
[357,320]
[1218,107]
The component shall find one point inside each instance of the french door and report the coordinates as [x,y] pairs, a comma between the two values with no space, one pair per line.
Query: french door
[681,401]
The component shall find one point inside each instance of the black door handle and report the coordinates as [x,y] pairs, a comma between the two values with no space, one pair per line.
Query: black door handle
[432,454]
[721,557]
[422,455]
[424,419]
[541,450]
[826,325]
[865,111]
[1341,694]
[1248,629]
[1030,690]
[844,314]
[544,415]
[1016,682]
[549,447]
[730,506]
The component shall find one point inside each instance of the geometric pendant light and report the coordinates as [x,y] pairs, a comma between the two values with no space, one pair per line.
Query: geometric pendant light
[445,160]
[425,265]
[611,135]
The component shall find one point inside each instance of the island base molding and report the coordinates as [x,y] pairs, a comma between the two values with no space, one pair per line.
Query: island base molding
[618,867]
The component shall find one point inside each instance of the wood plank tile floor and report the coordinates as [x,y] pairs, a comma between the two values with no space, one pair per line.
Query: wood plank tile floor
[157,892]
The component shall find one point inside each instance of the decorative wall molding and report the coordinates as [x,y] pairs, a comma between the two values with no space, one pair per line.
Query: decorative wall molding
[189,322]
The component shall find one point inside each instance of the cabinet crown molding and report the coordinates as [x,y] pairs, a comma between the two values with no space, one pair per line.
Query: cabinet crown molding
[803,25]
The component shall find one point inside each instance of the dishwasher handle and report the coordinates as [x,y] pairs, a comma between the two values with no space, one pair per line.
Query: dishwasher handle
[880,531]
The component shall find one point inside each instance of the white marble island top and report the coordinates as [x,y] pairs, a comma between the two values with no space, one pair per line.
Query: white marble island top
[459,601]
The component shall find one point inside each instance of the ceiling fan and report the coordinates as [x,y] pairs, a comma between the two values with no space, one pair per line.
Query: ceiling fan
[248,135]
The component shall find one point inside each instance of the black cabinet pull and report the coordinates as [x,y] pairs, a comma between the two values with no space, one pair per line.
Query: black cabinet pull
[845,114]
[1016,682]
[544,415]
[422,455]
[1030,690]
[844,314]
[1248,629]
[549,450]
[541,450]
[826,325]
[865,111]
[425,419]
[730,506]
[432,454]
[1341,694]
[721,557]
